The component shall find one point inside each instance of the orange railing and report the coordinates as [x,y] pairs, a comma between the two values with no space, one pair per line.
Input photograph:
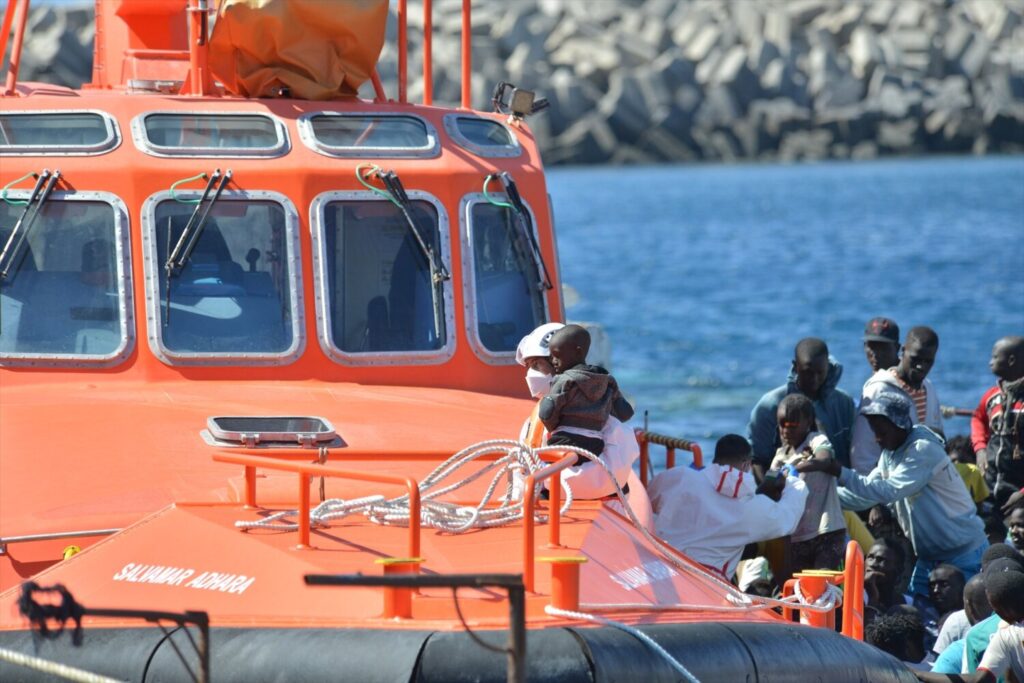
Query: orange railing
[16,16]
[306,471]
[671,443]
[853,592]
[428,40]
[552,472]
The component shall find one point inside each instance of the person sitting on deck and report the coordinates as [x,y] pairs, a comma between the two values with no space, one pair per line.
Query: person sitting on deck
[582,397]
[819,541]
[915,475]
[587,480]
[713,513]
[1004,653]
[901,634]
[954,629]
[883,576]
[815,375]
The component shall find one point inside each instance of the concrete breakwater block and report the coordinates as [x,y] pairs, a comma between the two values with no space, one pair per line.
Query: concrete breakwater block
[710,77]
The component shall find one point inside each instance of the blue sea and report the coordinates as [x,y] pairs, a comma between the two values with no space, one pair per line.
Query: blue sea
[705,277]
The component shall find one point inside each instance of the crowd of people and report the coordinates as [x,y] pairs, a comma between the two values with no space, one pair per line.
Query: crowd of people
[940,517]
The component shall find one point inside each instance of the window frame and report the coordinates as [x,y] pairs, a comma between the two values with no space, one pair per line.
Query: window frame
[141,138]
[320,283]
[153,270]
[451,126]
[125,291]
[109,144]
[307,134]
[466,205]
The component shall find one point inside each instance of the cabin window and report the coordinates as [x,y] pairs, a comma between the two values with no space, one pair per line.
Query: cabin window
[210,135]
[236,299]
[63,133]
[362,135]
[483,137]
[65,298]
[380,301]
[507,283]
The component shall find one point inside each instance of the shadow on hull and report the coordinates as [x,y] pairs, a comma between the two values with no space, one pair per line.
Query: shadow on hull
[713,652]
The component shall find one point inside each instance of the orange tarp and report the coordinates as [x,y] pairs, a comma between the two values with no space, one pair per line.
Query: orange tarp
[317,49]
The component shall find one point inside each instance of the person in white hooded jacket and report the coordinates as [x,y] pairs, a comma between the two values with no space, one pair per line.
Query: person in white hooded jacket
[588,480]
[711,514]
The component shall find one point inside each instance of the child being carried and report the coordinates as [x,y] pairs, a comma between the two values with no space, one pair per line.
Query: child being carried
[581,397]
[819,541]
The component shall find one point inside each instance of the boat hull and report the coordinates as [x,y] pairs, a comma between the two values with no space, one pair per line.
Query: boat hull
[713,652]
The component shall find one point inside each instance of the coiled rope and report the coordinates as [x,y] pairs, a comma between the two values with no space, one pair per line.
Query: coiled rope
[517,459]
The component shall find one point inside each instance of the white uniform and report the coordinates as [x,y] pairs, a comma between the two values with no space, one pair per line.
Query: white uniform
[711,514]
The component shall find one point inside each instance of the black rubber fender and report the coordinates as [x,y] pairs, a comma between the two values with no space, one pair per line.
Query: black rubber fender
[714,652]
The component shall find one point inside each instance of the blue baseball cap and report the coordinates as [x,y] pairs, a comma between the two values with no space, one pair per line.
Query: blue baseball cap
[892,405]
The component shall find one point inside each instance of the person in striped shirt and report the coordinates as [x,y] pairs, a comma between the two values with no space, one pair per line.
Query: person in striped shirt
[910,377]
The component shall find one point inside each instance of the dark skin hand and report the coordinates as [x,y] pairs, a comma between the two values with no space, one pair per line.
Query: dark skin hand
[1015,500]
[772,488]
[820,463]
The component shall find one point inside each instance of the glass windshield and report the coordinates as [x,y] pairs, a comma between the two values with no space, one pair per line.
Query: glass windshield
[381,297]
[484,132]
[235,293]
[71,130]
[362,131]
[509,303]
[61,293]
[213,131]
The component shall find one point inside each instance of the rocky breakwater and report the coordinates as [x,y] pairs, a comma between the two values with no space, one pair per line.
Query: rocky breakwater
[669,80]
[674,80]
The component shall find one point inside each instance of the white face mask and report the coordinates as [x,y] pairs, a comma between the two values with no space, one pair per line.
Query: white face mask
[538,382]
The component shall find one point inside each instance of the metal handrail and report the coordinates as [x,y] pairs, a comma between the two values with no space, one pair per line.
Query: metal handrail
[53,536]
[17,16]
[552,471]
[306,471]
[670,443]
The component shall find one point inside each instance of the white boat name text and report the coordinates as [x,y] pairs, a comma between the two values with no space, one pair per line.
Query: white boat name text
[177,576]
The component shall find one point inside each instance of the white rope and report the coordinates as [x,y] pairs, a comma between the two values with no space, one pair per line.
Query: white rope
[518,459]
[635,632]
[49,668]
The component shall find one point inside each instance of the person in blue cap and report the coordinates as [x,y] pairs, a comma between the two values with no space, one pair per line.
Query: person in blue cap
[916,477]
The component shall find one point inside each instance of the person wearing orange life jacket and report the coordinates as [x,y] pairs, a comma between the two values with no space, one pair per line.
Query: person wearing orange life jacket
[587,480]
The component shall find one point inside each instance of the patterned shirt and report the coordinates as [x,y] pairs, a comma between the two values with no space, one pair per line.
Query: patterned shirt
[919,396]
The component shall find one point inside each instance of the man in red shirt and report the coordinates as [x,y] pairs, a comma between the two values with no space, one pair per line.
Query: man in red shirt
[997,427]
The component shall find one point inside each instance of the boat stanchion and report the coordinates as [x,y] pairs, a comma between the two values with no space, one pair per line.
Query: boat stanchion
[398,599]
[565,581]
[812,584]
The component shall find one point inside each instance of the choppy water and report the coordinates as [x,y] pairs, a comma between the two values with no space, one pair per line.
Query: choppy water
[706,277]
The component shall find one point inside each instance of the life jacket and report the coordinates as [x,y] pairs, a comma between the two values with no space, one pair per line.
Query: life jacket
[535,432]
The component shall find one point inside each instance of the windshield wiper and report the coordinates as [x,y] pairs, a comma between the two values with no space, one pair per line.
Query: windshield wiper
[13,253]
[194,228]
[526,226]
[177,258]
[438,273]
